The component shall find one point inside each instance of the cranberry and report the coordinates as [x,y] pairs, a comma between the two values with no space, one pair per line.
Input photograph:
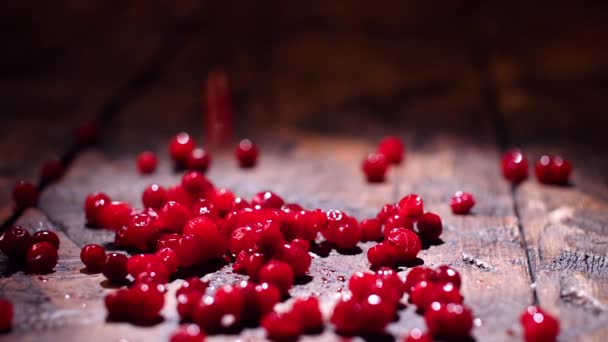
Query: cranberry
[168,241]
[119,305]
[371,230]
[92,205]
[154,196]
[242,238]
[381,255]
[180,148]
[429,227]
[212,243]
[196,183]
[198,160]
[387,211]
[297,257]
[51,171]
[267,199]
[307,224]
[270,241]
[25,195]
[189,251]
[449,321]
[178,194]
[375,166]
[169,258]
[360,282]
[6,315]
[514,166]
[205,208]
[14,242]
[114,215]
[41,258]
[553,170]
[406,243]
[392,148]
[46,236]
[416,335]
[416,275]
[173,216]
[278,273]
[92,257]
[411,206]
[377,313]
[446,274]
[538,325]
[347,235]
[224,200]
[142,232]
[345,316]
[282,327]
[246,153]
[398,221]
[423,294]
[114,267]
[87,134]
[208,313]
[335,219]
[230,298]
[259,300]
[307,312]
[186,302]
[462,202]
[240,203]
[390,276]
[147,301]
[146,162]
[304,244]
[188,333]
[249,262]
[120,237]
[193,284]
[140,263]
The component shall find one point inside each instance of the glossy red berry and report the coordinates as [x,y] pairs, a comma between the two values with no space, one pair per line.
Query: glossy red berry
[376,313]
[188,333]
[180,148]
[416,275]
[423,294]
[14,242]
[246,153]
[387,211]
[142,232]
[429,227]
[398,221]
[119,305]
[538,325]
[154,196]
[224,201]
[87,134]
[189,250]
[6,315]
[114,215]
[212,243]
[146,162]
[230,299]
[406,244]
[186,301]
[41,258]
[371,230]
[514,166]
[198,160]
[46,236]
[51,171]
[462,202]
[347,235]
[411,206]
[177,193]
[170,258]
[307,313]
[193,284]
[446,274]
[114,267]
[268,200]
[381,254]
[196,183]
[297,257]
[553,170]
[93,204]
[208,313]
[416,335]
[277,273]
[281,327]
[345,316]
[93,256]
[205,208]
[25,195]
[375,166]
[173,216]
[147,300]
[392,148]
[449,321]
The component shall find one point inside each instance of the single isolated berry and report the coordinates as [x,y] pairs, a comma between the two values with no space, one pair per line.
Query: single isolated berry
[246,153]
[51,171]
[375,166]
[114,267]
[538,325]
[198,160]
[25,195]
[6,315]
[146,162]
[514,166]
[41,258]
[392,148]
[46,236]
[92,205]
[553,170]
[14,242]
[462,202]
[93,256]
[180,148]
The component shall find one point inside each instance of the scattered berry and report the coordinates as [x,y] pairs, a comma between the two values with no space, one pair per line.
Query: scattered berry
[14,242]
[198,160]
[114,267]
[93,256]
[277,273]
[448,321]
[429,227]
[155,196]
[41,258]
[196,183]
[92,205]
[462,202]
[25,195]
[371,230]
[374,167]
[180,148]
[538,325]
[514,166]
[392,148]
[46,236]
[146,162]
[246,153]
[411,206]
[268,200]
[553,170]
[114,215]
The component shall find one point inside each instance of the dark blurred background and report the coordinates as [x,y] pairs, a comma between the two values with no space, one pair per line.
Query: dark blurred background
[539,68]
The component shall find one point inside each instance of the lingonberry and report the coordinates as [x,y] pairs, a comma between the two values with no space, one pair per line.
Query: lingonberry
[46,236]
[360,282]
[387,211]
[14,242]
[381,254]
[169,258]
[398,221]
[416,335]
[281,327]
[154,196]
[345,316]
[223,199]
[371,230]
[193,284]
[514,166]
[41,258]
[429,227]
[462,202]
[259,300]
[168,241]
[147,300]
[448,321]
[87,134]
[538,325]
[553,170]
[375,166]
[196,183]
[376,313]
[142,232]
[390,277]
[198,160]
[411,206]
[173,216]
[188,333]
[308,314]
[186,301]
[92,205]
[180,148]
[304,244]
[114,267]
[277,273]
[114,215]
[270,240]
[205,208]
[208,313]
[446,274]
[119,305]
[246,153]
[92,257]
[213,243]
[297,257]
[416,275]
[347,235]
[146,162]
[392,148]
[25,195]
[230,299]
[267,199]
[51,171]
[249,262]
[177,193]
[406,243]
[190,251]
[6,315]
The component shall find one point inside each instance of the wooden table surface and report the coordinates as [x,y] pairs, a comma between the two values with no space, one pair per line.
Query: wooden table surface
[317,95]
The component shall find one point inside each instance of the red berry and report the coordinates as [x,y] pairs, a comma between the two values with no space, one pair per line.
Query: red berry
[169,258]
[142,232]
[307,313]
[346,317]
[93,204]
[41,258]
[87,134]
[387,211]
[180,148]
[446,274]
[114,215]
[119,305]
[6,315]
[14,242]
[398,221]
[178,194]
[538,325]
[242,238]
[168,241]
[230,299]
[186,302]
[249,262]
[423,294]
[371,230]
[267,199]
[155,196]
[270,241]
[381,254]
[553,170]
[25,195]
[416,275]
[224,200]
[147,300]
[411,206]
[205,208]
[514,166]
[196,183]
[93,256]
[376,313]
[392,148]
[146,162]
[208,313]
[277,273]
[406,243]
[347,235]
[198,160]
[449,321]
[335,219]
[374,167]
[297,257]
[416,335]
[46,236]
[51,171]
[259,300]
[212,243]
[304,244]
[360,283]
[246,153]
[281,327]
[462,202]
[390,276]
[114,267]
[193,284]
[189,251]
[429,227]
[306,224]
[188,333]
[173,216]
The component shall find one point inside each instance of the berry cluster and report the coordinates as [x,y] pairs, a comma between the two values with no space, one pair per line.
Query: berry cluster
[548,169]
[390,151]
[39,252]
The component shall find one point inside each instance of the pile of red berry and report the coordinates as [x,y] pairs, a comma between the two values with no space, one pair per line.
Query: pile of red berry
[39,252]
[390,151]
[548,169]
